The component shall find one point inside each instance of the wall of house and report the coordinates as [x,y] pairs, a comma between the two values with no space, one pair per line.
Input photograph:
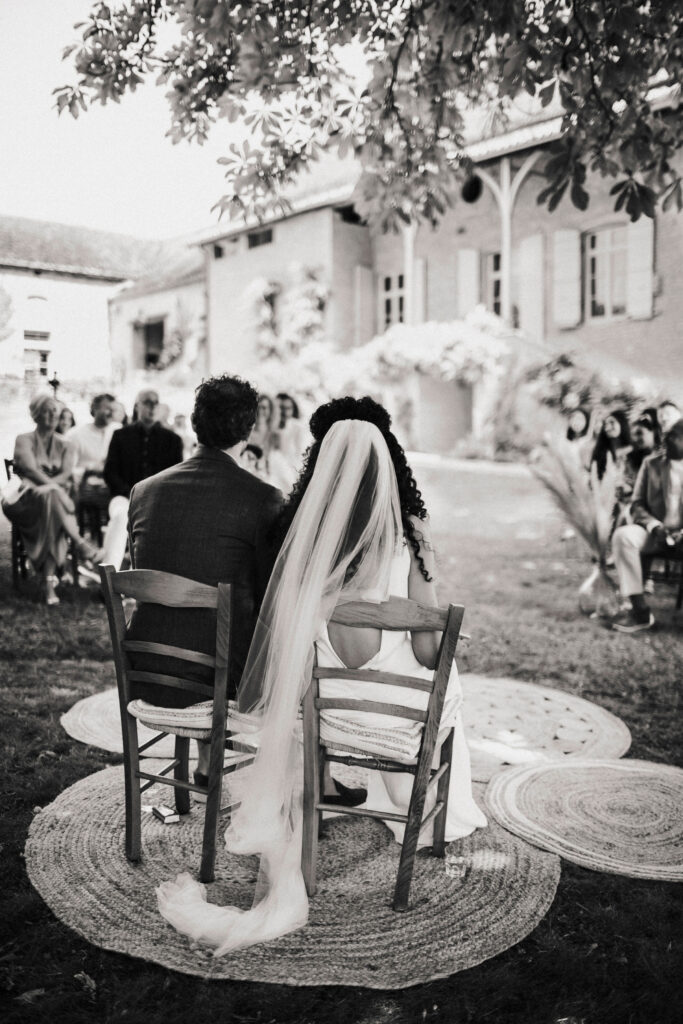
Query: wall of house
[455,258]
[182,307]
[351,310]
[73,315]
[306,240]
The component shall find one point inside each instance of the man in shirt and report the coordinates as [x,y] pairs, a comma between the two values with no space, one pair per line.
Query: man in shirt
[657,529]
[135,452]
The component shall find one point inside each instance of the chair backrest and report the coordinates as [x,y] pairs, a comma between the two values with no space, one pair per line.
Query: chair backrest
[397,614]
[9,467]
[151,587]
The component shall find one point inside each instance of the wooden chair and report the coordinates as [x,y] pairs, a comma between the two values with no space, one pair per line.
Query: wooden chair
[19,560]
[148,586]
[395,614]
[667,573]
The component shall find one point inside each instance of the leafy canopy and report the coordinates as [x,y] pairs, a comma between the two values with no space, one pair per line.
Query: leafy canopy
[284,68]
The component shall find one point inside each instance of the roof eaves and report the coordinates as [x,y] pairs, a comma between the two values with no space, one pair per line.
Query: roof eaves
[6,262]
[306,204]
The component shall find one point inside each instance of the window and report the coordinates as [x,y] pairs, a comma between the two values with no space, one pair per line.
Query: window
[218,252]
[349,215]
[153,338]
[606,268]
[256,238]
[35,364]
[492,282]
[392,298]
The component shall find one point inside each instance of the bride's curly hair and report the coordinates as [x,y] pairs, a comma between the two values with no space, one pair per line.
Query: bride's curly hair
[372,412]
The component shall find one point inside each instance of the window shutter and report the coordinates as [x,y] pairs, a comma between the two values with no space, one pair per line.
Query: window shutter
[530,283]
[419,291]
[364,307]
[640,269]
[567,278]
[469,285]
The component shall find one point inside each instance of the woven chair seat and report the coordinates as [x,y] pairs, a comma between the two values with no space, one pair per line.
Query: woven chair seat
[393,744]
[335,732]
[193,721]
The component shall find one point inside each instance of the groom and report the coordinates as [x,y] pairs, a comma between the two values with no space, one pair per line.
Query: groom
[207,519]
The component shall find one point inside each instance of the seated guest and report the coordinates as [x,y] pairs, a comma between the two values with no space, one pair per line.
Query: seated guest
[135,452]
[66,421]
[668,413]
[657,528]
[43,511]
[186,435]
[118,413]
[291,438]
[645,437]
[578,424]
[207,519]
[613,441]
[90,443]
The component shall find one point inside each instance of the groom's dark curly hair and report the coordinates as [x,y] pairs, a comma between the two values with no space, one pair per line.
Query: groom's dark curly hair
[367,409]
[224,411]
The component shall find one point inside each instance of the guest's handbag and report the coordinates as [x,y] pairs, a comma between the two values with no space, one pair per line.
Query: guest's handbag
[10,493]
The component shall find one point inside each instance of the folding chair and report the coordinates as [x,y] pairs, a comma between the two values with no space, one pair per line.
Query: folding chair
[394,614]
[151,587]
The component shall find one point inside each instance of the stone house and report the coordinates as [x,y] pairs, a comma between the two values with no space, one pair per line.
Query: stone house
[588,281]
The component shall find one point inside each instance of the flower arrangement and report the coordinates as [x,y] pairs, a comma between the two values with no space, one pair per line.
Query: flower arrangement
[587,504]
[459,350]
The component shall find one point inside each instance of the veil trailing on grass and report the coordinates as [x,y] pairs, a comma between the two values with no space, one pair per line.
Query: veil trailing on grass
[340,546]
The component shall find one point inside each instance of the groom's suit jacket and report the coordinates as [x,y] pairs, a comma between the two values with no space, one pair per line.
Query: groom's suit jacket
[209,520]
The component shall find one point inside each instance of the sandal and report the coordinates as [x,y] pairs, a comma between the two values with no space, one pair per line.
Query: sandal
[50,583]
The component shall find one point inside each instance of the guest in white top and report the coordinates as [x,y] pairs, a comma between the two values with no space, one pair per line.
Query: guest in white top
[90,441]
[291,438]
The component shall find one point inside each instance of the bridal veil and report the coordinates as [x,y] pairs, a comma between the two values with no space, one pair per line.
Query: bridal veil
[340,546]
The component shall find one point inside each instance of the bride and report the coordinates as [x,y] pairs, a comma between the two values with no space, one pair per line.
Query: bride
[355,529]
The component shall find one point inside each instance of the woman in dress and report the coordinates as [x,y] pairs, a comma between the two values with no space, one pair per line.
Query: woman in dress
[613,441]
[291,438]
[272,466]
[355,529]
[43,510]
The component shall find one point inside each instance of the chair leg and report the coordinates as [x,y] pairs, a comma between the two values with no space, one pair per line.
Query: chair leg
[439,843]
[16,559]
[132,785]
[313,768]
[182,773]
[213,806]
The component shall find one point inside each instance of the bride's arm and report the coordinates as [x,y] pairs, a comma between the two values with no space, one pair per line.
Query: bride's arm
[425,645]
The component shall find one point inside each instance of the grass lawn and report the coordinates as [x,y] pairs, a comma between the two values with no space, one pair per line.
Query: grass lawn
[609,950]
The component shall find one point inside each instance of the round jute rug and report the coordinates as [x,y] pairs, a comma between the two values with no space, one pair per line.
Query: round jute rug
[507,722]
[74,857]
[622,817]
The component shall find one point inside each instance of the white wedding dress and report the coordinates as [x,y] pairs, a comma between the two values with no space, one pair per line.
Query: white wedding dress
[342,545]
[397,737]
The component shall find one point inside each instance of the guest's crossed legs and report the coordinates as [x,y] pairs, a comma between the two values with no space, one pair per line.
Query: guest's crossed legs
[628,544]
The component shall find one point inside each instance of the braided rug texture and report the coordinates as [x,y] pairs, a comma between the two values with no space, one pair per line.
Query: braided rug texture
[507,722]
[75,859]
[621,817]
